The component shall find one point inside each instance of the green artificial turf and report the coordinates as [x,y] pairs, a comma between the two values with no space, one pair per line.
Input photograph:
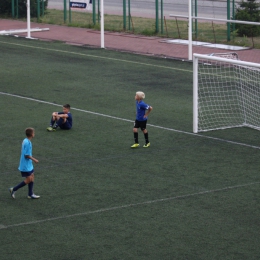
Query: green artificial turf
[185,197]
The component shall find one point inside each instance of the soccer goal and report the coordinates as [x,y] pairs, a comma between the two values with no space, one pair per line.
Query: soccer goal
[226,93]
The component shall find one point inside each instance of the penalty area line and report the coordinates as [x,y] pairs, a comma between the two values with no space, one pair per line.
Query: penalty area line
[127,120]
[103,210]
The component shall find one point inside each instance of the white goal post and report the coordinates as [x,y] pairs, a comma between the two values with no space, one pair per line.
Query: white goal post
[190,17]
[226,93]
[28,29]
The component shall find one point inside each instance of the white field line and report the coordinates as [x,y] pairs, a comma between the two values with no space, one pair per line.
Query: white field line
[127,120]
[99,57]
[127,206]
[108,58]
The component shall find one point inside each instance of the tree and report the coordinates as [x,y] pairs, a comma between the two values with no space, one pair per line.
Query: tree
[6,7]
[248,11]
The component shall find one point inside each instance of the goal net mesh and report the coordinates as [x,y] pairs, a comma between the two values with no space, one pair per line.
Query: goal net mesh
[228,95]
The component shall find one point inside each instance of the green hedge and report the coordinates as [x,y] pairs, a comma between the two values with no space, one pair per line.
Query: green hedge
[6,7]
[248,11]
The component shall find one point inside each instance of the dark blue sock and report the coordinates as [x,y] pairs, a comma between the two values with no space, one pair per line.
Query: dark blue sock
[52,122]
[30,188]
[20,185]
[59,123]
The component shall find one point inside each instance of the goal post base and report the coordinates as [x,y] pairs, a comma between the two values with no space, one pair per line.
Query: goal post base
[17,31]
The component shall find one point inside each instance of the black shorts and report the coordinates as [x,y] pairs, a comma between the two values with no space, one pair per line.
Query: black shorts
[141,124]
[27,174]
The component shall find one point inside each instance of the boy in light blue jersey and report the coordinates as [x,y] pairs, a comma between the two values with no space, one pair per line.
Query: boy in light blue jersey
[63,119]
[142,112]
[26,165]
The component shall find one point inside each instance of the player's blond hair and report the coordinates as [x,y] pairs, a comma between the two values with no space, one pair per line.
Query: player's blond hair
[140,94]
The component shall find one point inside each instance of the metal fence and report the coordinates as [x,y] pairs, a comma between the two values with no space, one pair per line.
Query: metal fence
[128,13]
[146,8]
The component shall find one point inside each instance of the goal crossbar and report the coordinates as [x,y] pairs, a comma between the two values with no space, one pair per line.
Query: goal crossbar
[215,19]
[226,93]
[238,62]
[191,17]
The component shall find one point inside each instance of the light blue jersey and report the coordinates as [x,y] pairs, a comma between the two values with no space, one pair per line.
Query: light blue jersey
[141,108]
[26,164]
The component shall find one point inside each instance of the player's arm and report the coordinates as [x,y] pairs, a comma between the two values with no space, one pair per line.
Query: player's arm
[63,115]
[148,111]
[31,158]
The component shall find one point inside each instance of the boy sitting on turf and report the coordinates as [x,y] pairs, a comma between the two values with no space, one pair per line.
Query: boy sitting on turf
[141,119]
[26,165]
[63,120]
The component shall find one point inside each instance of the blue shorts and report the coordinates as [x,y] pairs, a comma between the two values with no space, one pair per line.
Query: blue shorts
[27,174]
[65,126]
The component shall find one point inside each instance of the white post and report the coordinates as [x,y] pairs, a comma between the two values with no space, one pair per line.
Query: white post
[195,95]
[28,20]
[102,24]
[190,30]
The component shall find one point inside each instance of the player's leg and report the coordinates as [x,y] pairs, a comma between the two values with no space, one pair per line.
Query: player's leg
[143,128]
[63,123]
[31,194]
[16,188]
[135,130]
[20,185]
[66,125]
[54,118]
[30,181]
[59,122]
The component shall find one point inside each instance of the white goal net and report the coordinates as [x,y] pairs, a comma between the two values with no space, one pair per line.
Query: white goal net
[226,93]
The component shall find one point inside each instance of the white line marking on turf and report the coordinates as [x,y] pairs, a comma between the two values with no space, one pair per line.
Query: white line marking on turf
[99,57]
[73,108]
[128,206]
[205,136]
[127,120]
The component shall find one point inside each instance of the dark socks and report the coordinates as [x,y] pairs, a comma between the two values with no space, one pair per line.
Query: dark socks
[146,138]
[136,137]
[20,185]
[30,188]
[59,122]
[52,122]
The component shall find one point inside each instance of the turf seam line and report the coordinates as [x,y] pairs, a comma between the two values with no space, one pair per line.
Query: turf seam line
[102,210]
[127,120]
[95,56]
